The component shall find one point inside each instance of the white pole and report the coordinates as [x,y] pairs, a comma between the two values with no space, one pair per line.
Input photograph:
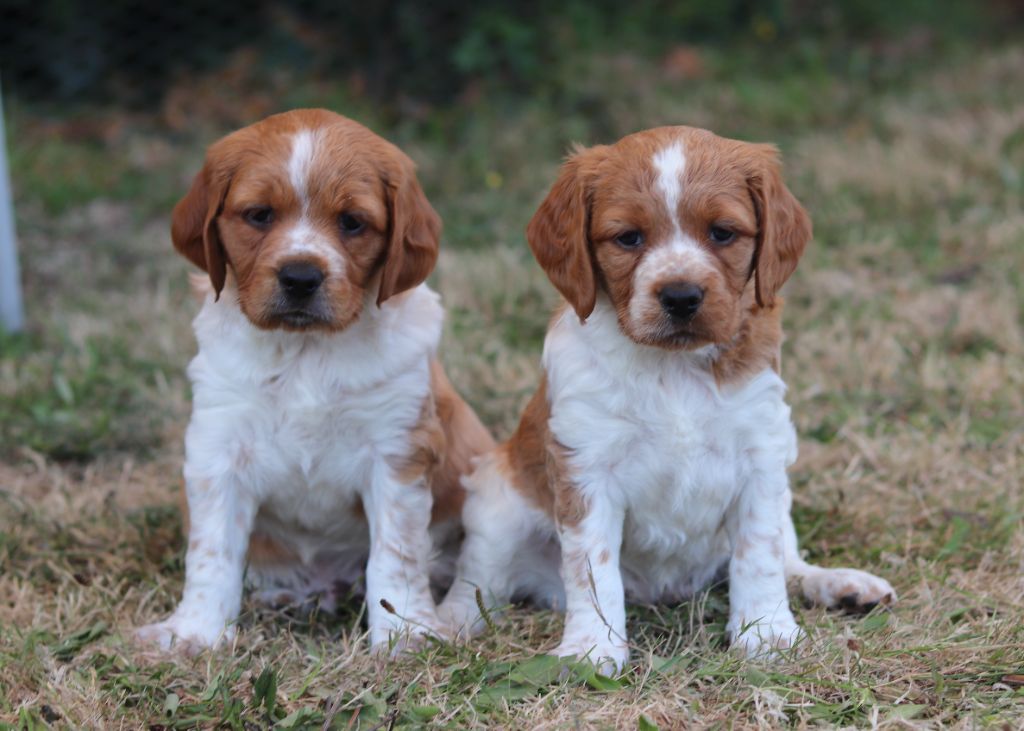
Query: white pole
[12,314]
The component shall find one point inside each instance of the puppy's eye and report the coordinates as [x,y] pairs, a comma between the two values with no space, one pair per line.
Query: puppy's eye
[629,239]
[721,236]
[350,224]
[259,216]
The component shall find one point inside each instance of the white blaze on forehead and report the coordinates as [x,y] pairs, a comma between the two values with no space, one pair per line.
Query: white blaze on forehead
[304,238]
[670,164]
[680,251]
[680,259]
[300,163]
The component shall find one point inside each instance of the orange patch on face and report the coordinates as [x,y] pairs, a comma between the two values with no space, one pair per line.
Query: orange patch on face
[757,346]
[314,190]
[718,225]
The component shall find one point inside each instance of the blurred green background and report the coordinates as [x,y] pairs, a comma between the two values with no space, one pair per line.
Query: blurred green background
[111,105]
[414,53]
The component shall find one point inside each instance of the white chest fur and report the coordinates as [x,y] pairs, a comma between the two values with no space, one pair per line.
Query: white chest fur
[653,431]
[678,477]
[292,438]
[300,420]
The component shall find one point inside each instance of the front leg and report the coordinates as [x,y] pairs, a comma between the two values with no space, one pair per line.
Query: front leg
[400,608]
[595,605]
[221,518]
[502,531]
[760,620]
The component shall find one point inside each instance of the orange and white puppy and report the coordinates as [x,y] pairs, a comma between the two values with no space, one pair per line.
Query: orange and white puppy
[653,456]
[324,436]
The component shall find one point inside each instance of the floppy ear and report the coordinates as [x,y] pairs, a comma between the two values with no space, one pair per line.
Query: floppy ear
[194,226]
[559,239]
[783,226]
[414,234]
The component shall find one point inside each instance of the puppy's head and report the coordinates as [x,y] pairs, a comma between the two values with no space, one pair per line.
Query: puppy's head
[679,227]
[310,211]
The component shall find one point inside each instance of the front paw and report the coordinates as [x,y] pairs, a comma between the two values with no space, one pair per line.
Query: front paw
[393,634]
[391,643]
[184,634]
[460,620]
[849,589]
[607,657]
[764,639]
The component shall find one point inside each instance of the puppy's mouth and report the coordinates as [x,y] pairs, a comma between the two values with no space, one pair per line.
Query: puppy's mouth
[299,319]
[299,315]
[678,337]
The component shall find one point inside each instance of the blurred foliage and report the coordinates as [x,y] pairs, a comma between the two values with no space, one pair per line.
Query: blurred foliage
[75,402]
[131,51]
[486,98]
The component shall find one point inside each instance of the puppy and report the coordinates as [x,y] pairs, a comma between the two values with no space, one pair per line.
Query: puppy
[653,456]
[325,436]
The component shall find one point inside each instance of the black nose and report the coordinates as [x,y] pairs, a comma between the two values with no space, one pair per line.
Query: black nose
[300,280]
[681,301]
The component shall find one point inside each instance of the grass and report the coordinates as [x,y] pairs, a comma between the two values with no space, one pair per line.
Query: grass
[905,361]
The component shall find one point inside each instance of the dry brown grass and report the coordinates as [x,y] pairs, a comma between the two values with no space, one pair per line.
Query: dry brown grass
[905,359]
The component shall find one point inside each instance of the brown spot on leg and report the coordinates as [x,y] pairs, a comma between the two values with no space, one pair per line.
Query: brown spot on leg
[265,551]
[571,507]
[526,452]
[539,465]
[442,446]
[426,445]
[464,439]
